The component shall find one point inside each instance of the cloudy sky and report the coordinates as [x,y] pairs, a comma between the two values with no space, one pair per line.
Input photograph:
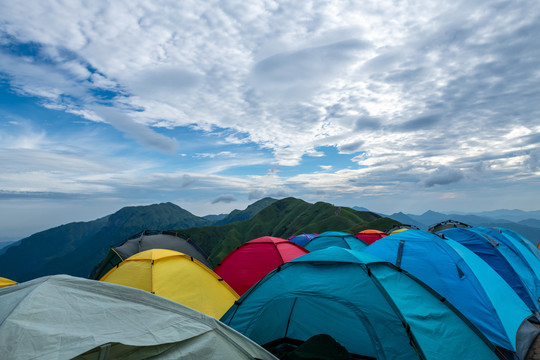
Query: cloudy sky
[390,105]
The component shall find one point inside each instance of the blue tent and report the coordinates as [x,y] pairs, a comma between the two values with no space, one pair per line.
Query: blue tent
[522,239]
[369,306]
[503,260]
[470,284]
[335,238]
[302,239]
[518,246]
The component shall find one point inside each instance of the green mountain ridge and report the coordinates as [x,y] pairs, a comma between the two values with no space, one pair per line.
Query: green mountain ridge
[283,218]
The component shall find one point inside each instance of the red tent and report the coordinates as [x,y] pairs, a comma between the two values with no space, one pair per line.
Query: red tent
[370,236]
[250,262]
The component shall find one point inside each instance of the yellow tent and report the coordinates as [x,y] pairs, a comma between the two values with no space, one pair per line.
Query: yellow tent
[177,277]
[398,231]
[6,282]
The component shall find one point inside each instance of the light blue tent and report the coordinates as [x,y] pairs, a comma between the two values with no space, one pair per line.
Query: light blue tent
[503,260]
[335,238]
[369,306]
[470,284]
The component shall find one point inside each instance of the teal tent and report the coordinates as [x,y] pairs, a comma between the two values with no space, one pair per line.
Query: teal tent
[335,238]
[369,306]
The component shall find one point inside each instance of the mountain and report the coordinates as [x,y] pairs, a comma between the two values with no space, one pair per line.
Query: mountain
[530,222]
[529,228]
[406,219]
[283,218]
[76,248]
[248,213]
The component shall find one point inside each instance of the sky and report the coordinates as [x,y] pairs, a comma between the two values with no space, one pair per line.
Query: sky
[212,105]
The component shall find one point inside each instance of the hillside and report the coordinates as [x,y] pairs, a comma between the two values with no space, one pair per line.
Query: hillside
[76,248]
[283,218]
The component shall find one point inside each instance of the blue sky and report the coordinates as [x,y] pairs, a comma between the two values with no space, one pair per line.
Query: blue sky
[392,106]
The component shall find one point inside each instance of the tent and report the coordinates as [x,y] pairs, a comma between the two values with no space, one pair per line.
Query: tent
[503,260]
[400,228]
[335,238]
[448,224]
[145,241]
[6,282]
[470,284]
[64,317]
[370,236]
[177,277]
[369,306]
[302,239]
[248,263]
[520,239]
[528,254]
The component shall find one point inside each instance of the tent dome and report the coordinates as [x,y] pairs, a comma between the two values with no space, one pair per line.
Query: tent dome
[503,260]
[370,236]
[64,317]
[369,306]
[148,240]
[251,261]
[177,277]
[335,238]
[302,239]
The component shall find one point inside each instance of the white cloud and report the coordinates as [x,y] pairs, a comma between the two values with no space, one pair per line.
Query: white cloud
[428,90]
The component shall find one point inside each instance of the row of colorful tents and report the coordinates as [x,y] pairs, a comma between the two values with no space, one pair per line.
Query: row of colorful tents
[458,292]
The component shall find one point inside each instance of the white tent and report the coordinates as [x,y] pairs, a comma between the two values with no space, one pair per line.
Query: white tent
[64,317]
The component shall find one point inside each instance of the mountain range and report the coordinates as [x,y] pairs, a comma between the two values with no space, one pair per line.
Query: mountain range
[76,248]
[526,223]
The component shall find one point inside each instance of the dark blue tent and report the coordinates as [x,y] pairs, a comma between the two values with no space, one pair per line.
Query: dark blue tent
[302,239]
[470,284]
[369,306]
[502,259]
[528,253]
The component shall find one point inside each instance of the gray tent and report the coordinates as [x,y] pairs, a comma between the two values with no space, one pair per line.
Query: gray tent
[148,240]
[64,317]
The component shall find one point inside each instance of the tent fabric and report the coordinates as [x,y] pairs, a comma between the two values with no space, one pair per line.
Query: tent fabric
[177,277]
[148,240]
[335,238]
[251,261]
[523,251]
[370,236]
[64,317]
[367,305]
[302,239]
[6,282]
[502,259]
[460,276]
[521,239]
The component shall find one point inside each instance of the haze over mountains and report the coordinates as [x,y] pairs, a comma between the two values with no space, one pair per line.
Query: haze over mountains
[76,248]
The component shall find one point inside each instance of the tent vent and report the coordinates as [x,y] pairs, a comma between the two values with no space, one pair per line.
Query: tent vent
[460,273]
[492,241]
[220,279]
[400,253]
[191,258]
